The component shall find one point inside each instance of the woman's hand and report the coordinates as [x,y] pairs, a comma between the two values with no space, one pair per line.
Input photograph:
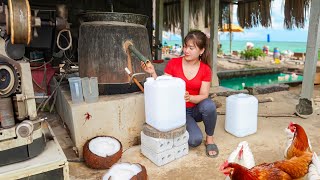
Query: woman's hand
[187,97]
[149,68]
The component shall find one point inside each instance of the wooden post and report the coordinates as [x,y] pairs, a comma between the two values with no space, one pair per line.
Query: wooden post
[230,25]
[159,28]
[214,40]
[304,108]
[184,18]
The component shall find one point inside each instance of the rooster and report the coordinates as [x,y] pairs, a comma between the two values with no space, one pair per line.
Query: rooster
[300,142]
[314,168]
[293,168]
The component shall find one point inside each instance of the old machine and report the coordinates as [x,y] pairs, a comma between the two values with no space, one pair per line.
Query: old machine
[23,134]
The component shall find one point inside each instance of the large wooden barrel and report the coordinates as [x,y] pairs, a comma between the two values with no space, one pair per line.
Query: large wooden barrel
[101,53]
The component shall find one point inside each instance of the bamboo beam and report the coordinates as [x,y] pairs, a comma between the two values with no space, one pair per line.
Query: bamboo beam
[184,18]
[214,21]
[159,29]
[304,108]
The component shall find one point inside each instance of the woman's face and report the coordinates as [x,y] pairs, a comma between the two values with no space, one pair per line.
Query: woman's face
[191,51]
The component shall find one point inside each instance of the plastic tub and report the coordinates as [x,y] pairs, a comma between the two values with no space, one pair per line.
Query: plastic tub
[90,89]
[165,106]
[241,115]
[76,89]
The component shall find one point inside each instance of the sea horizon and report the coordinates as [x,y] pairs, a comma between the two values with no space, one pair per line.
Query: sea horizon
[240,45]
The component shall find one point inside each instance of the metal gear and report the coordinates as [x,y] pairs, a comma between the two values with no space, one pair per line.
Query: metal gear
[9,79]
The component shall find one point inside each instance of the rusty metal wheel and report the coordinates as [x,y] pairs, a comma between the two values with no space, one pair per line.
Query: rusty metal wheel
[19,21]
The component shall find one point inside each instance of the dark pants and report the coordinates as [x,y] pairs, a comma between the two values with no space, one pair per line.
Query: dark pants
[204,111]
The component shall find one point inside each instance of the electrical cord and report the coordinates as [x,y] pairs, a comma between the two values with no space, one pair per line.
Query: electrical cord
[70,39]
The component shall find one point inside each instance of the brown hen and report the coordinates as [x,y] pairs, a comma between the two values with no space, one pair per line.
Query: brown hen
[293,168]
[299,143]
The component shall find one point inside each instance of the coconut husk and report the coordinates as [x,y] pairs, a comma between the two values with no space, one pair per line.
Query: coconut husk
[98,162]
[142,175]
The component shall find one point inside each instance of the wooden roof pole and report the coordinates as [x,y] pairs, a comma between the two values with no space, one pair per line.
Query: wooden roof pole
[214,21]
[184,18]
[159,29]
[305,107]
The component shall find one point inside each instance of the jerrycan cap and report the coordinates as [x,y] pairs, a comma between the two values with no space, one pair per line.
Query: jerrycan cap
[150,79]
[242,95]
[164,77]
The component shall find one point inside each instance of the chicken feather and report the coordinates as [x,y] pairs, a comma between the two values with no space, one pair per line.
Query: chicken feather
[314,168]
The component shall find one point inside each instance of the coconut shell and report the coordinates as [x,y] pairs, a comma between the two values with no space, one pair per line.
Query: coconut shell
[142,175]
[98,162]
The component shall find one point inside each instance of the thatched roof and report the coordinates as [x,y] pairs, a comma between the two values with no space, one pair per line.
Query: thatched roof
[250,13]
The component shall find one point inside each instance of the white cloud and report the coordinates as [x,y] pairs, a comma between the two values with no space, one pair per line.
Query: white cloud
[234,15]
[277,7]
[276,23]
[248,35]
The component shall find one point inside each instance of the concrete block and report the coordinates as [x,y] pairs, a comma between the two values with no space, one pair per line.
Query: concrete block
[181,151]
[159,159]
[121,116]
[178,141]
[157,145]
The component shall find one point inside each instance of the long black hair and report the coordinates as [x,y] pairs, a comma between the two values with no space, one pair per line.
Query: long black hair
[201,41]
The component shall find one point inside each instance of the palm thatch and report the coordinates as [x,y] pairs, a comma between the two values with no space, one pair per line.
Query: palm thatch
[253,14]
[295,13]
[250,13]
[172,14]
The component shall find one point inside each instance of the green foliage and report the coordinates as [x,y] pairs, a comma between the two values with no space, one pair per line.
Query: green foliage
[252,53]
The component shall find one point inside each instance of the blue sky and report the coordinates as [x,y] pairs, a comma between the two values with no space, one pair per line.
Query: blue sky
[277,31]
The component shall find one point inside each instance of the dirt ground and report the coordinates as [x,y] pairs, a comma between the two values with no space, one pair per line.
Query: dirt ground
[267,144]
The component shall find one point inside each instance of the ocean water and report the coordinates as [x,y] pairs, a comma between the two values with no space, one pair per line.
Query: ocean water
[281,45]
[241,45]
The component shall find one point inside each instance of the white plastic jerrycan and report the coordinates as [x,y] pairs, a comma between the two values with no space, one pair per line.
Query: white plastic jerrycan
[165,106]
[241,115]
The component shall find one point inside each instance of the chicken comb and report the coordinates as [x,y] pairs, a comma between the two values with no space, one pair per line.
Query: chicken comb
[291,124]
[224,165]
[240,153]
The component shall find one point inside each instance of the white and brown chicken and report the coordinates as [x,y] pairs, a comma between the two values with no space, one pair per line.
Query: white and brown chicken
[242,155]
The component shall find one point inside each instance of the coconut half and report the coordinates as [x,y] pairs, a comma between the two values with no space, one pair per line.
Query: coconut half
[126,171]
[102,152]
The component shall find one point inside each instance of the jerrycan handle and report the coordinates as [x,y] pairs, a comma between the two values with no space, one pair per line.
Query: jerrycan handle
[164,77]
